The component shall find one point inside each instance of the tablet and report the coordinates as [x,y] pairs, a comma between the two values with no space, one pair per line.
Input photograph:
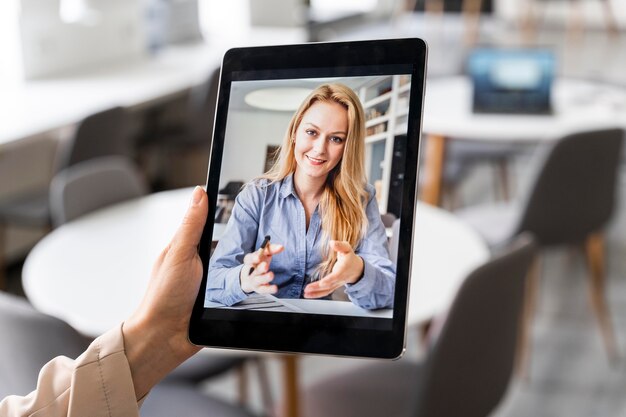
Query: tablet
[312,184]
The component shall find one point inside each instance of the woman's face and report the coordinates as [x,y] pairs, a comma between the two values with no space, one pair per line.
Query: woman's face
[320,139]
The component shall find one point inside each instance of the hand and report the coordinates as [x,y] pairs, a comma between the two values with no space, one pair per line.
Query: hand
[259,279]
[347,270]
[155,336]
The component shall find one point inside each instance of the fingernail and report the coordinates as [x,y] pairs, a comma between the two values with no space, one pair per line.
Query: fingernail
[196,196]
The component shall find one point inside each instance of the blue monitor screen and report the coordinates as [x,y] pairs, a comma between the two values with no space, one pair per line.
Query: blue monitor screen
[511,80]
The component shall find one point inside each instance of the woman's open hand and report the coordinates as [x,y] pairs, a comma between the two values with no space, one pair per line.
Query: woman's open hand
[347,270]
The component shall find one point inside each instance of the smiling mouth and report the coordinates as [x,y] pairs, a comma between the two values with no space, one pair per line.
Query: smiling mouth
[315,161]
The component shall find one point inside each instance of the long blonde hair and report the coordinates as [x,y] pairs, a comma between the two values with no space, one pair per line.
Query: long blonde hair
[343,200]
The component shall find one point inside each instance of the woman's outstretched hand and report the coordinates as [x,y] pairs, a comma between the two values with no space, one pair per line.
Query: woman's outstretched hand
[347,270]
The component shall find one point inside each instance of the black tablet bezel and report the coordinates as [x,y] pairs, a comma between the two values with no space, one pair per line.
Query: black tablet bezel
[314,333]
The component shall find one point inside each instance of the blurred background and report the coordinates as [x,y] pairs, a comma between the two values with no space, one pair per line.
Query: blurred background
[523,123]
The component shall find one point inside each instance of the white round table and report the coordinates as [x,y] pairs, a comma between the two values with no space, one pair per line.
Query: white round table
[93,271]
[577,106]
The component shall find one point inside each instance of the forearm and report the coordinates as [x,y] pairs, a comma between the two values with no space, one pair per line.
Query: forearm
[376,287]
[150,355]
[223,285]
[96,384]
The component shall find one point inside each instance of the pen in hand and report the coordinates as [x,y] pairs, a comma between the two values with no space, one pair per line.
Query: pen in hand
[266,241]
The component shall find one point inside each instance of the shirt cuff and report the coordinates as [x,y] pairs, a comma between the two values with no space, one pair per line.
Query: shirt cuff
[102,376]
[233,291]
[364,286]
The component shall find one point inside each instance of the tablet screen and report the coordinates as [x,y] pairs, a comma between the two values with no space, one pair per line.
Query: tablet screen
[309,195]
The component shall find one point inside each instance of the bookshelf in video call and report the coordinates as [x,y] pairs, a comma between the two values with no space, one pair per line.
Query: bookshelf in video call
[386,104]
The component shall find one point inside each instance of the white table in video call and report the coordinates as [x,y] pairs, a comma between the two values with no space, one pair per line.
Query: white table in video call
[92,272]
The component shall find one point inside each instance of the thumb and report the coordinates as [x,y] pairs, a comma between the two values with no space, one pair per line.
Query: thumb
[189,232]
[340,246]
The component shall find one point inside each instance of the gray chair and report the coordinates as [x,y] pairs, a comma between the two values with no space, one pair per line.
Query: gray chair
[531,18]
[388,219]
[468,368]
[394,241]
[189,136]
[101,134]
[569,202]
[30,339]
[462,156]
[90,185]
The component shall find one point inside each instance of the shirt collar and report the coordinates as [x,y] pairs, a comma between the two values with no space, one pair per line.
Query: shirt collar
[286,187]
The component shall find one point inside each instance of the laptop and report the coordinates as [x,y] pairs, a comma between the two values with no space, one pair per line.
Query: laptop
[512,80]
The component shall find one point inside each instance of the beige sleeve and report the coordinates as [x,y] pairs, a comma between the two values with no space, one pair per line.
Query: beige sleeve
[97,384]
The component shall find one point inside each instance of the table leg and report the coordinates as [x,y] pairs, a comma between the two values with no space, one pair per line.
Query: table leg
[435,158]
[290,381]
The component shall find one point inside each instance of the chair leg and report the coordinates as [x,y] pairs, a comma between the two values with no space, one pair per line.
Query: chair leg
[266,389]
[435,158]
[3,266]
[502,169]
[471,11]
[594,251]
[528,22]
[242,384]
[524,340]
[434,6]
[609,19]
[290,381]
[575,24]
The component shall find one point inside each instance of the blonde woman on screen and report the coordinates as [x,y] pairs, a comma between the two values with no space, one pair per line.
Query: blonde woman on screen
[320,212]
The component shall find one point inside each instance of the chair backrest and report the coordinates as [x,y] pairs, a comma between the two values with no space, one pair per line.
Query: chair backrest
[93,184]
[29,340]
[574,191]
[388,219]
[101,134]
[470,364]
[202,104]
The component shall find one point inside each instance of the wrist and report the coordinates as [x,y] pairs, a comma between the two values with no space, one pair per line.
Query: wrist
[243,281]
[360,270]
[151,353]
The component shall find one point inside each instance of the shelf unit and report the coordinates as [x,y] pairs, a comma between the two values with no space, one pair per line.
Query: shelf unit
[386,103]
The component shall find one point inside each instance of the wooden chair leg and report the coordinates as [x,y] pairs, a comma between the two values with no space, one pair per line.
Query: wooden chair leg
[424,330]
[471,11]
[528,22]
[524,340]
[290,381]
[3,266]
[242,384]
[434,161]
[594,251]
[502,169]
[609,19]
[575,23]
[434,6]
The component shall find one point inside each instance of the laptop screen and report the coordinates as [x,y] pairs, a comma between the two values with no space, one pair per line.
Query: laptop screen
[511,80]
